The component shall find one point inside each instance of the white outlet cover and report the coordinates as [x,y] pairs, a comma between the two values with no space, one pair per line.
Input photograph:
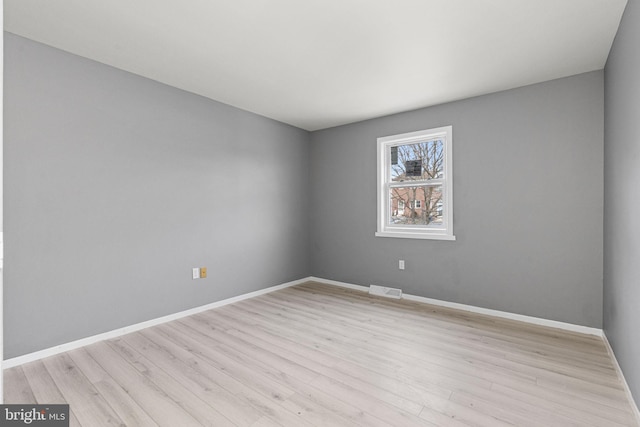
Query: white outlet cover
[401,264]
[196,273]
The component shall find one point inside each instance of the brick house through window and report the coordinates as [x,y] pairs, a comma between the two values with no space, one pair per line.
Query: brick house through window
[417,205]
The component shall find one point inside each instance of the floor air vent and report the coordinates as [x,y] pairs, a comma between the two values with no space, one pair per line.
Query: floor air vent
[385,292]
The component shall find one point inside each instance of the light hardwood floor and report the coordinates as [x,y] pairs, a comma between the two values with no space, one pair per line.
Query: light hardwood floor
[318,355]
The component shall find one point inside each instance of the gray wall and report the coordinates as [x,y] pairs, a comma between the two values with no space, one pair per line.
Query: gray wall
[528,183]
[116,186]
[622,197]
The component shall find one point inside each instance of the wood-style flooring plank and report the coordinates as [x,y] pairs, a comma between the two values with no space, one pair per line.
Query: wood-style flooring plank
[158,403]
[183,368]
[16,387]
[298,378]
[89,406]
[122,403]
[45,389]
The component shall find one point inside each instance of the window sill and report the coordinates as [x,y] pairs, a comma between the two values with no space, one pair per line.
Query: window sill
[408,235]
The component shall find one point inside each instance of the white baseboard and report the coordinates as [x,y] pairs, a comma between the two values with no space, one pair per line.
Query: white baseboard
[496,313]
[632,402]
[511,316]
[30,357]
[340,284]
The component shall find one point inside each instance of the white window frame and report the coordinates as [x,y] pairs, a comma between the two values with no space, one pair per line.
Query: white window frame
[384,183]
[415,204]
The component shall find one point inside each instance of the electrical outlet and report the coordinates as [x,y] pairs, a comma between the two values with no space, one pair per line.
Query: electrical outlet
[401,264]
[196,273]
[203,272]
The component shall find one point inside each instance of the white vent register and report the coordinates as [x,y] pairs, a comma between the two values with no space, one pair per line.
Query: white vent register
[385,292]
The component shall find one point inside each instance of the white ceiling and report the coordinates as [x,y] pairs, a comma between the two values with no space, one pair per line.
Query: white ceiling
[322,63]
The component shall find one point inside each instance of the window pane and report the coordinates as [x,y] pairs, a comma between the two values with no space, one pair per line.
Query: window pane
[416,205]
[419,161]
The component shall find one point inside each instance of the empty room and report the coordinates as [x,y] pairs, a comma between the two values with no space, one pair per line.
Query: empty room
[320,213]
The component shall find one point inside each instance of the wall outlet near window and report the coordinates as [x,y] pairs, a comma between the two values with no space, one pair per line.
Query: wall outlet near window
[401,264]
[203,272]
[195,273]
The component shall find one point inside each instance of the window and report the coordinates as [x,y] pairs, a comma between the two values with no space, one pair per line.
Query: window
[400,208]
[415,187]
